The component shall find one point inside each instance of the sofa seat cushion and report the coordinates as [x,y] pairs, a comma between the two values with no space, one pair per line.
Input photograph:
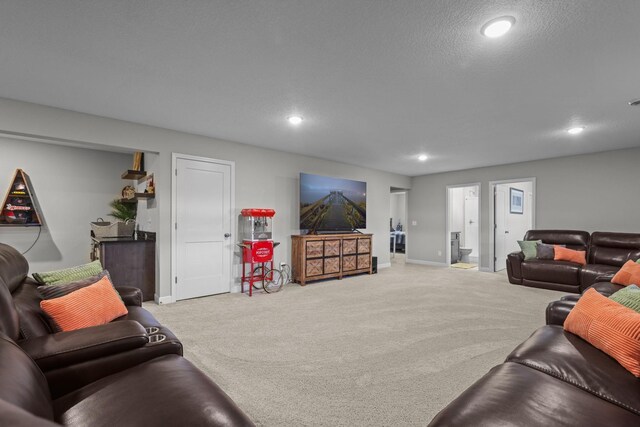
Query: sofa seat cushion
[168,390]
[567,273]
[512,394]
[605,288]
[571,359]
[141,316]
[591,272]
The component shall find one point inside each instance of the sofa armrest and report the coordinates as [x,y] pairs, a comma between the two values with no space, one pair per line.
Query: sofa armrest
[514,267]
[68,348]
[130,295]
[557,312]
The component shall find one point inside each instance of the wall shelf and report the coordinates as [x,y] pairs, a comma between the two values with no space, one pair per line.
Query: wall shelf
[20,207]
[133,174]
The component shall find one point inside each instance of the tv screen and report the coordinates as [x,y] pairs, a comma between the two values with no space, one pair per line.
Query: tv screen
[332,204]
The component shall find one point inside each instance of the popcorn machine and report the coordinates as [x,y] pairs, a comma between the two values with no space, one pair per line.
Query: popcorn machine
[257,247]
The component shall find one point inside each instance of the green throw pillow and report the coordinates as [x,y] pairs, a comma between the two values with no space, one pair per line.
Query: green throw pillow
[638,261]
[69,274]
[629,297]
[529,248]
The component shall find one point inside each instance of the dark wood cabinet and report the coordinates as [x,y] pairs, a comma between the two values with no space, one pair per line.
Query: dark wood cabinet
[130,261]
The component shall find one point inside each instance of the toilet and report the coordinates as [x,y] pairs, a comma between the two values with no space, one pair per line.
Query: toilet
[464,254]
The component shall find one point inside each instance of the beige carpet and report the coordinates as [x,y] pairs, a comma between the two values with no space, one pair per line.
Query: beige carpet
[388,349]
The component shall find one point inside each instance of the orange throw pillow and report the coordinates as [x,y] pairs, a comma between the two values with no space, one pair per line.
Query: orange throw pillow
[629,274]
[564,254]
[94,305]
[608,326]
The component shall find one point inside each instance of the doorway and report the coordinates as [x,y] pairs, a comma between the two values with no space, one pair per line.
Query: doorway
[398,225]
[202,205]
[463,226]
[513,213]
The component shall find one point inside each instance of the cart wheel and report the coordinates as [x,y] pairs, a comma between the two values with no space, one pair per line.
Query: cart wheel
[273,280]
[257,272]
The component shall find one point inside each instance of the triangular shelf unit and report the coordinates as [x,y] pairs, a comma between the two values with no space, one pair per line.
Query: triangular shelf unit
[20,207]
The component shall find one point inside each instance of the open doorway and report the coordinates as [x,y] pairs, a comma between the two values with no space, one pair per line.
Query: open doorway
[398,225]
[513,214]
[463,226]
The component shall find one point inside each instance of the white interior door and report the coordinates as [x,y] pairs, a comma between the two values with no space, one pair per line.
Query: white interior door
[501,229]
[203,228]
[471,225]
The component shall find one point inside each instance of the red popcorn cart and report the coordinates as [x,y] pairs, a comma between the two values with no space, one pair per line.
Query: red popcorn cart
[257,250]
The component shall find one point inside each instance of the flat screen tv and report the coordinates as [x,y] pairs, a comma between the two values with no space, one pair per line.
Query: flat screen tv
[332,204]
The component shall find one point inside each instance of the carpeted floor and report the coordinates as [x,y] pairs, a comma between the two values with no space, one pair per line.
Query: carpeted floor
[388,349]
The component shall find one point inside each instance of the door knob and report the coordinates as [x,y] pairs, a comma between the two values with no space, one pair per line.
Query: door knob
[227,235]
[506,232]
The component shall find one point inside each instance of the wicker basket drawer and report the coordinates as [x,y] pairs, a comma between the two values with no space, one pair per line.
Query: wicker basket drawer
[364,246]
[363,261]
[314,249]
[348,263]
[331,265]
[349,246]
[314,267]
[332,248]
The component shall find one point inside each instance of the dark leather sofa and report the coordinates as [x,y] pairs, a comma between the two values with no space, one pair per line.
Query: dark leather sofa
[129,372]
[554,378]
[606,253]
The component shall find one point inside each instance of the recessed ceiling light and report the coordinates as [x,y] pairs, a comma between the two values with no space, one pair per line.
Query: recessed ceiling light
[294,120]
[423,157]
[498,27]
[576,130]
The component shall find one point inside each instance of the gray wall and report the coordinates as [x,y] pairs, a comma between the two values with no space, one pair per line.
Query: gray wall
[264,178]
[73,186]
[588,192]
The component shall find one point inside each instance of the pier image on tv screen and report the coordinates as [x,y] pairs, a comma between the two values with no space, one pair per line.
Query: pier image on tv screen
[332,203]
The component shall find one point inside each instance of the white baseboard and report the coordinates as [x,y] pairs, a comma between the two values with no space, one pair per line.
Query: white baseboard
[430,263]
[485,270]
[235,289]
[164,300]
[384,265]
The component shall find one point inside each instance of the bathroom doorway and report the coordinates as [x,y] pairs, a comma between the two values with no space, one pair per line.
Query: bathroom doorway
[463,226]
[398,226]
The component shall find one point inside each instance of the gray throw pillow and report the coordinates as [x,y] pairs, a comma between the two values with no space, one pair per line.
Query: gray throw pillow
[546,251]
[529,248]
[57,291]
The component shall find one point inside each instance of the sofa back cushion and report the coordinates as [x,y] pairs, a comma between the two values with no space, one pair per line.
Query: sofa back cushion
[572,239]
[33,321]
[22,382]
[9,321]
[13,267]
[614,248]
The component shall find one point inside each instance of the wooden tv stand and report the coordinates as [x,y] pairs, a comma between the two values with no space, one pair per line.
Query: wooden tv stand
[325,256]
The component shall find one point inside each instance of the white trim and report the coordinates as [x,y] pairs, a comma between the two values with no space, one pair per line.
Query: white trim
[165,300]
[447,232]
[232,213]
[429,263]
[385,265]
[492,213]
[485,270]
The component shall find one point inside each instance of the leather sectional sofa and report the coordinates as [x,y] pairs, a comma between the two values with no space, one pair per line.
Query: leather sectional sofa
[606,253]
[554,378]
[129,372]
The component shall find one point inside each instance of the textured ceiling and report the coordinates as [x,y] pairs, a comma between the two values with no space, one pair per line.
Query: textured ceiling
[377,82]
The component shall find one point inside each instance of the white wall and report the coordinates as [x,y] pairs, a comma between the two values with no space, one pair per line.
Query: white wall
[264,178]
[73,186]
[588,192]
